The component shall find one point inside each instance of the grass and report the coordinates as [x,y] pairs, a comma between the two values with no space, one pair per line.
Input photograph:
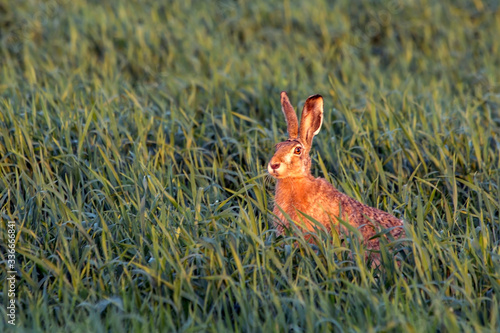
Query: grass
[134,138]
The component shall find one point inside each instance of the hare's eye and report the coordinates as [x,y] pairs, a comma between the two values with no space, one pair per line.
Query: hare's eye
[297,150]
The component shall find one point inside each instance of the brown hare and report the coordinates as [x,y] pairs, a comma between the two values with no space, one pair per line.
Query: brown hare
[300,195]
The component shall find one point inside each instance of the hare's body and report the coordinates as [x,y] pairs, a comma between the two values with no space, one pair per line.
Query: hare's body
[318,199]
[299,194]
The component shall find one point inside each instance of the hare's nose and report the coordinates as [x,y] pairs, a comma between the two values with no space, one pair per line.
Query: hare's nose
[275,166]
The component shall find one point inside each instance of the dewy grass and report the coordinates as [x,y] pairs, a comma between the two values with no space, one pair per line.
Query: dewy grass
[134,138]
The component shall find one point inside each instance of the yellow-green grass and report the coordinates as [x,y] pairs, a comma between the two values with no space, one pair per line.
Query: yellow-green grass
[134,137]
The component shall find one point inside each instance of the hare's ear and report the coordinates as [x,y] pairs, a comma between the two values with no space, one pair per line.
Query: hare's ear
[312,118]
[290,115]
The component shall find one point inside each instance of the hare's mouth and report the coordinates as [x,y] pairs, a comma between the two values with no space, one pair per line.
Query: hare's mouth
[275,174]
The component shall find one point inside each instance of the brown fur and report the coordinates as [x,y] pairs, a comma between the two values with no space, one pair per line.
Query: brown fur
[299,193]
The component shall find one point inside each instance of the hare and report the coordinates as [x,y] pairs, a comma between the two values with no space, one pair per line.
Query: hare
[302,197]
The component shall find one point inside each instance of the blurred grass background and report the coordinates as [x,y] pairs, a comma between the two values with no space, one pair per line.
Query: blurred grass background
[134,137]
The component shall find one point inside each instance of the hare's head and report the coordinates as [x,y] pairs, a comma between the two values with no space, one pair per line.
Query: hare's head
[291,158]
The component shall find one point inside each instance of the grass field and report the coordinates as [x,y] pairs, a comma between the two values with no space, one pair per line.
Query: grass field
[134,138]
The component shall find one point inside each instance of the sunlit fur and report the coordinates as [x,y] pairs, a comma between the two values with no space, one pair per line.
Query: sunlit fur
[298,193]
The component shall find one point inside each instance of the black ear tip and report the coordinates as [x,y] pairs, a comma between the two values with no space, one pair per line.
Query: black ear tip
[315,97]
[314,100]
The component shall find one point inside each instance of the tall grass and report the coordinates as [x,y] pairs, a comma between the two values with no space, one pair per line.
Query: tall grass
[133,143]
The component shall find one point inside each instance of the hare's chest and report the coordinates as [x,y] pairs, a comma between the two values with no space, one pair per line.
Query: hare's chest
[301,207]
[303,199]
[290,201]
